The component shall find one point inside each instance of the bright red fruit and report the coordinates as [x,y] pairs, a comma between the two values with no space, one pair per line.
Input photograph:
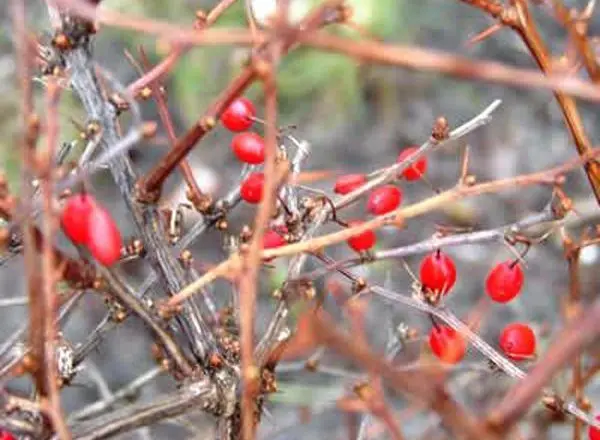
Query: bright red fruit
[384,199]
[348,183]
[363,241]
[517,341]
[252,188]
[104,238]
[504,281]
[594,433]
[273,239]
[238,116]
[438,272]
[417,169]
[74,217]
[249,147]
[5,435]
[447,344]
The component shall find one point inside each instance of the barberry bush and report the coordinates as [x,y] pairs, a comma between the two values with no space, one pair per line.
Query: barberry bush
[439,286]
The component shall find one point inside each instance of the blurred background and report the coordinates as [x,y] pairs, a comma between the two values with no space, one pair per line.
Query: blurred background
[357,118]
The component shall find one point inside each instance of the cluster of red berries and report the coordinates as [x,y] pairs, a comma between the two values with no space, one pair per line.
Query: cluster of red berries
[247,146]
[504,282]
[381,200]
[88,223]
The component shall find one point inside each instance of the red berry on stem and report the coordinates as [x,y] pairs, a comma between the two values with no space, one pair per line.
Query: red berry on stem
[363,241]
[74,217]
[249,147]
[238,116]
[417,169]
[348,183]
[504,281]
[104,239]
[273,239]
[384,199]
[5,435]
[517,341]
[438,272]
[447,344]
[593,432]
[252,188]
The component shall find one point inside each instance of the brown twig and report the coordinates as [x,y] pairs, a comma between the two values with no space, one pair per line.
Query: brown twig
[200,200]
[415,58]
[49,273]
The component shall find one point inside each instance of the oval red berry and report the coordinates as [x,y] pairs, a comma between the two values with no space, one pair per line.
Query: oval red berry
[249,148]
[384,199]
[5,435]
[362,241]
[417,169]
[74,217]
[251,189]
[348,183]
[104,239]
[504,282]
[447,344]
[238,116]
[593,432]
[273,239]
[438,272]
[517,341]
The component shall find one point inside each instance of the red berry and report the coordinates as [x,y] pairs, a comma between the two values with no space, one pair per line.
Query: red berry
[438,272]
[384,199]
[238,116]
[363,241]
[417,169]
[249,147]
[504,281]
[273,239]
[104,238]
[252,188]
[593,432]
[74,217]
[348,183]
[447,344]
[517,341]
[5,435]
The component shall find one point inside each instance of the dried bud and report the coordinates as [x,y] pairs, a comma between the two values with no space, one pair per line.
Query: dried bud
[61,42]
[149,129]
[441,129]
[208,123]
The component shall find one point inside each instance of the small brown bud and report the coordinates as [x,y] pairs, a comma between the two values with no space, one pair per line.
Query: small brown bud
[208,123]
[61,42]
[145,93]
[149,129]
[441,129]
[29,363]
[215,360]
[262,68]
[186,258]
[311,365]
[120,104]
[222,224]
